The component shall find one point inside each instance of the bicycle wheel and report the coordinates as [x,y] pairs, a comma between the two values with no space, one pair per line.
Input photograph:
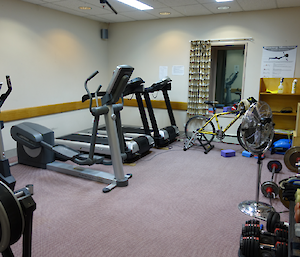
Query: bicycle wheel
[240,137]
[197,122]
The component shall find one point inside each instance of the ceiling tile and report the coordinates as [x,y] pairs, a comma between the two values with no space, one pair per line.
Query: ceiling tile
[75,4]
[98,18]
[115,18]
[257,4]
[192,10]
[288,3]
[63,9]
[52,1]
[177,8]
[213,7]
[172,3]
[33,1]
[156,12]
[139,15]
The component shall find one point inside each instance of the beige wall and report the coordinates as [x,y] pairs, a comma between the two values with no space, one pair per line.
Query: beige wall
[48,55]
[146,45]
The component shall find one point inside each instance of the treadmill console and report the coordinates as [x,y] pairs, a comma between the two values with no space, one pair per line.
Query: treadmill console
[117,84]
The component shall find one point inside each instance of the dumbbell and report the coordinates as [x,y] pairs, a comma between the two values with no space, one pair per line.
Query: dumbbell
[273,222]
[252,229]
[269,188]
[251,247]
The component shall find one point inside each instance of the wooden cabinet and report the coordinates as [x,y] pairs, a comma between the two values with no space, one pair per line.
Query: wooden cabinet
[280,102]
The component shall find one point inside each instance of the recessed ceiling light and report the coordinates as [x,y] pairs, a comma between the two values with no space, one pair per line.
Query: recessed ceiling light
[221,1]
[223,7]
[136,4]
[85,8]
[164,13]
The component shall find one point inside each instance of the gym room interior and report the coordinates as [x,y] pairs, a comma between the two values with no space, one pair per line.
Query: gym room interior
[49,51]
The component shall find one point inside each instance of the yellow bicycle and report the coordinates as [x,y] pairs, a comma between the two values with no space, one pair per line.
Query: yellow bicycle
[201,129]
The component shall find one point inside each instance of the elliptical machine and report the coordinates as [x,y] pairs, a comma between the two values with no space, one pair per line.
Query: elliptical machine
[35,143]
[16,216]
[5,175]
[16,208]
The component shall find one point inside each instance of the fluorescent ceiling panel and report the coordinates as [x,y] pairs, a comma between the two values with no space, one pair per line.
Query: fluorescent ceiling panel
[221,1]
[136,4]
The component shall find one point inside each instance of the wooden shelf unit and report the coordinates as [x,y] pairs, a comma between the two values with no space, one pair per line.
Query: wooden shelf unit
[278,102]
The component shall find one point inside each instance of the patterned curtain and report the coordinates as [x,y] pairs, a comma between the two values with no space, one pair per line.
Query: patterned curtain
[199,76]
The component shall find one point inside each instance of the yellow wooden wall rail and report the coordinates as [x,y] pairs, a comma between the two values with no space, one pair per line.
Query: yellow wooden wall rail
[160,104]
[31,112]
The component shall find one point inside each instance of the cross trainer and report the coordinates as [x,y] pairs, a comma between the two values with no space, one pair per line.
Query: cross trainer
[5,175]
[35,143]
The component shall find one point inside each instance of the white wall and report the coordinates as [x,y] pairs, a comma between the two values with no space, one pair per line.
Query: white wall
[146,45]
[48,55]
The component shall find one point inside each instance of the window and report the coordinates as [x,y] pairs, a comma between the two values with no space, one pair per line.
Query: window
[227,73]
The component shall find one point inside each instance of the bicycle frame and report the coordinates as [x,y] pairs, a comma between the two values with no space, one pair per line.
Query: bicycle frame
[215,116]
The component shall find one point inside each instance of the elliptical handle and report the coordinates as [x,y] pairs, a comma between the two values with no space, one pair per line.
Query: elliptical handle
[8,91]
[86,88]
[87,80]
[93,75]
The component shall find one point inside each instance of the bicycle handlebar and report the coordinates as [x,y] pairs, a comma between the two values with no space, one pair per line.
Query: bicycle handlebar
[8,91]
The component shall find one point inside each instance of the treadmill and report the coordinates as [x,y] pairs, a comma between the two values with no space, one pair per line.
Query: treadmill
[137,134]
[131,147]
[162,137]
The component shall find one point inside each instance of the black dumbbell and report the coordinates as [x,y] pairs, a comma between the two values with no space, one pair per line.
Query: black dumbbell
[252,228]
[273,222]
[251,247]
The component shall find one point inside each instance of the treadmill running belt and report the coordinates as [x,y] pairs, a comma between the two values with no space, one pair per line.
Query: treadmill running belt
[84,139]
[133,130]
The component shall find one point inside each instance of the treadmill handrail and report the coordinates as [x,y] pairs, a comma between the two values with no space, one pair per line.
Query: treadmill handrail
[86,96]
[160,85]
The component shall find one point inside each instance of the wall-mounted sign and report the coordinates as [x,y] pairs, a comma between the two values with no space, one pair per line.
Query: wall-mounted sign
[278,61]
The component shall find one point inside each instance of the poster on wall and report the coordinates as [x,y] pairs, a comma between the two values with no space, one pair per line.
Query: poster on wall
[278,61]
[163,71]
[178,70]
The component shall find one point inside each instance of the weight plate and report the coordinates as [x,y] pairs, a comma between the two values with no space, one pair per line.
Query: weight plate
[12,220]
[290,158]
[272,185]
[277,165]
[283,201]
[281,184]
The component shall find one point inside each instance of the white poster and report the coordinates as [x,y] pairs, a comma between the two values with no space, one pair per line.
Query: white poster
[278,61]
[163,72]
[178,70]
